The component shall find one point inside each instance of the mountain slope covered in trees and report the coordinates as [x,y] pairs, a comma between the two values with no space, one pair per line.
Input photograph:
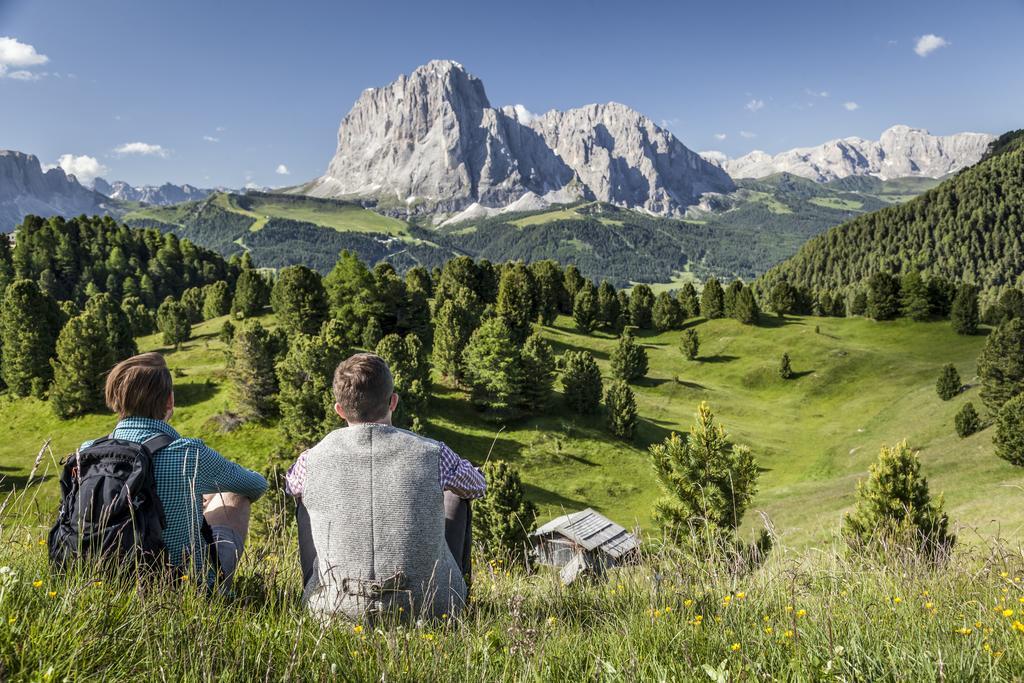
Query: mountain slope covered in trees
[970,229]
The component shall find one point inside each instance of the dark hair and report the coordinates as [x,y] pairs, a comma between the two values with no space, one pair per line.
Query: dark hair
[140,386]
[363,387]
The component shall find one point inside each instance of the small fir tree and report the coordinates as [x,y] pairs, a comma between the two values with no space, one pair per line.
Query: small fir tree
[82,361]
[883,296]
[305,399]
[252,371]
[538,374]
[783,298]
[964,313]
[894,505]
[493,366]
[585,309]
[712,299]
[216,300]
[549,281]
[948,384]
[227,333]
[455,322]
[859,303]
[572,281]
[372,333]
[745,307]
[515,300]
[173,322]
[252,294]
[1009,436]
[608,306]
[299,300]
[785,367]
[641,307]
[914,297]
[688,302]
[629,359]
[29,323]
[581,382]
[620,410]
[1001,364]
[411,372]
[666,314]
[192,300]
[967,421]
[690,344]
[504,518]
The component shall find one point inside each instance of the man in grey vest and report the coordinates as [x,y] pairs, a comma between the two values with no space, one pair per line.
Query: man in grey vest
[383,513]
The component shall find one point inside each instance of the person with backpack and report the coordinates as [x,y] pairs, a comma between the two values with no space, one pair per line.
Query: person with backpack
[145,493]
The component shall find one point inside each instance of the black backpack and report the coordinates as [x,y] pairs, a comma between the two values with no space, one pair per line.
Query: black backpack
[110,511]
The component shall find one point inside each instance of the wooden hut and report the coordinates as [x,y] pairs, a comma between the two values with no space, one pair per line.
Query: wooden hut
[583,543]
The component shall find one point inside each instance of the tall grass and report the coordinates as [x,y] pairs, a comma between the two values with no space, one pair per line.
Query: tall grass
[803,615]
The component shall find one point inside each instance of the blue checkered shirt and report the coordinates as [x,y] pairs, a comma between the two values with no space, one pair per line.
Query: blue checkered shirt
[185,471]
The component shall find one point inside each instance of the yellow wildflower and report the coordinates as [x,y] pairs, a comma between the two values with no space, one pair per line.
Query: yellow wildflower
[735,647]
[1004,574]
[964,631]
[428,636]
[1007,612]
[977,624]
[12,620]
[1018,626]
[689,603]
[52,594]
[768,630]
[788,634]
[42,541]
[789,608]
[801,613]
[37,583]
[668,609]
[184,577]
[97,583]
[741,595]
[929,605]
[897,600]
[552,620]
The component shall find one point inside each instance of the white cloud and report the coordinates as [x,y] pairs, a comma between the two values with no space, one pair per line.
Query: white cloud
[747,134]
[251,186]
[17,55]
[282,170]
[221,129]
[521,114]
[85,168]
[720,136]
[210,138]
[142,148]
[816,93]
[929,43]
[754,105]
[851,106]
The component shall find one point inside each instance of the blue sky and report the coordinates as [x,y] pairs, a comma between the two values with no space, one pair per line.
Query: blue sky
[226,92]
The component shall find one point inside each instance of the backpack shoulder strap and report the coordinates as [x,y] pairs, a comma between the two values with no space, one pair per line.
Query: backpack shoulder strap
[156,442]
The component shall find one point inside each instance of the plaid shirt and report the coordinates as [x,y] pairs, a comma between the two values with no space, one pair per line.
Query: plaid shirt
[454,474]
[185,471]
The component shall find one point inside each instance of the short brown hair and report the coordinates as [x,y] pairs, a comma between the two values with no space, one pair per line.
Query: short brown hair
[140,386]
[363,387]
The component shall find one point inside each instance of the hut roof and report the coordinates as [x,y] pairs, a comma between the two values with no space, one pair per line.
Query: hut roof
[592,531]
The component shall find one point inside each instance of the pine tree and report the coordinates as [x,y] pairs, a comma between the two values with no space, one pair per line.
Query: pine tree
[172,320]
[666,314]
[252,294]
[192,300]
[581,382]
[712,299]
[964,314]
[859,304]
[948,384]
[624,317]
[372,333]
[118,339]
[690,344]
[883,296]
[550,289]
[620,410]
[894,504]
[456,320]
[914,297]
[216,300]
[641,306]
[352,293]
[411,372]
[608,306]
[572,281]
[731,294]
[418,279]
[82,361]
[629,359]
[252,371]
[504,519]
[29,323]
[707,482]
[745,307]
[1011,304]
[1009,437]
[688,301]
[585,309]
[967,421]
[493,366]
[227,333]
[515,300]
[1001,365]
[785,368]
[538,374]
[299,300]
[140,317]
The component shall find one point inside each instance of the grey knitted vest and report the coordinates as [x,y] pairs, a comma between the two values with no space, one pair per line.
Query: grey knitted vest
[376,513]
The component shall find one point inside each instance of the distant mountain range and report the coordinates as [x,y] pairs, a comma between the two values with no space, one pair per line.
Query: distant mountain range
[900,152]
[431,142]
[162,195]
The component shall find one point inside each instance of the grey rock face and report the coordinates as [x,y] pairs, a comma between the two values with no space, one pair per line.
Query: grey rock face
[432,141]
[901,151]
[25,189]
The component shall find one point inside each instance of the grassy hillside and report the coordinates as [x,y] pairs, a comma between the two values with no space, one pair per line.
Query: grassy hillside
[859,384]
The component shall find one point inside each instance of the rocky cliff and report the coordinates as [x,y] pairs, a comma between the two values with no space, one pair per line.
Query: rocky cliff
[26,189]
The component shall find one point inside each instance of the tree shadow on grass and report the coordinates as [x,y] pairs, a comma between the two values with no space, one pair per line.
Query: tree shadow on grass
[650,382]
[718,358]
[692,385]
[545,496]
[802,373]
[20,481]
[561,347]
[191,393]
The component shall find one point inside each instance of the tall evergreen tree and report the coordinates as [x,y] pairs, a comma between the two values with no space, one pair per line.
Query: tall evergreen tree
[352,293]
[894,504]
[306,402]
[173,322]
[859,303]
[629,359]
[688,301]
[1009,436]
[456,320]
[411,372]
[1001,365]
[608,306]
[572,282]
[515,300]
[690,344]
[538,374]
[216,300]
[493,366]
[964,314]
[883,296]
[745,307]
[550,289]
[666,314]
[1011,304]
[82,361]
[581,382]
[299,300]
[252,294]
[29,323]
[620,410]
[140,316]
[641,307]
[731,292]
[252,371]
[948,384]
[707,482]
[914,297]
[418,278]
[192,300]
[585,309]
[504,519]
[372,333]
[712,299]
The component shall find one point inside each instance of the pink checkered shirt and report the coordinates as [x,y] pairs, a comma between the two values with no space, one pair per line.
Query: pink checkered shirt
[454,474]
